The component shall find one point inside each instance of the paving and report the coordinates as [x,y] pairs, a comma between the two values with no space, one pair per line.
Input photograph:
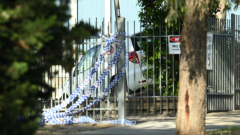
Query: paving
[167,127]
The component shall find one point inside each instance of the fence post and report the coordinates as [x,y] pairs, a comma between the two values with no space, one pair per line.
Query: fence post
[70,81]
[120,64]
[233,58]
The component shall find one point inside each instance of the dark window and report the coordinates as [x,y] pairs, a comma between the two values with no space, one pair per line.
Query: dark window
[136,42]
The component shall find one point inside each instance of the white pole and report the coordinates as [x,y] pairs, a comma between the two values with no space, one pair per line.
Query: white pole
[122,87]
[107,16]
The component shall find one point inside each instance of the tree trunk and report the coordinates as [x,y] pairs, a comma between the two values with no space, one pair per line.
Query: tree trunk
[222,13]
[192,89]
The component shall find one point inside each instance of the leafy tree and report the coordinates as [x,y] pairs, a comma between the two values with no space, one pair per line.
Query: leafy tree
[31,38]
[153,17]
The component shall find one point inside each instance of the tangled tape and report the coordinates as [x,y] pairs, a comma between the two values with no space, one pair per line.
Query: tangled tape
[52,117]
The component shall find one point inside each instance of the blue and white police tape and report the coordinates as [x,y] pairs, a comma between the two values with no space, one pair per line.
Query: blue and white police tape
[99,81]
[85,119]
[88,93]
[87,79]
[80,89]
[62,121]
[115,80]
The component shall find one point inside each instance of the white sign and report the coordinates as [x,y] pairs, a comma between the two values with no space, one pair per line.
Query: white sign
[209,51]
[174,44]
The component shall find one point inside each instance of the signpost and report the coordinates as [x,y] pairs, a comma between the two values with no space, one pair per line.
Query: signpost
[209,51]
[174,44]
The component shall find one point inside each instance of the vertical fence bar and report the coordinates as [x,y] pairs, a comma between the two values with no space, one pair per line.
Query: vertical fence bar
[211,97]
[214,60]
[154,81]
[101,71]
[237,55]
[237,64]
[145,78]
[233,58]
[96,74]
[115,95]
[221,61]
[84,69]
[50,83]
[173,77]
[109,75]
[128,67]
[217,65]
[179,32]
[160,67]
[134,41]
[166,70]
[224,69]
[224,64]
[228,60]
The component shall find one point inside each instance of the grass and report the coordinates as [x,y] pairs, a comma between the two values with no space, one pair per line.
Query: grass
[225,131]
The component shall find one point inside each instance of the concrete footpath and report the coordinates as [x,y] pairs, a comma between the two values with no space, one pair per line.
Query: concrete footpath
[213,121]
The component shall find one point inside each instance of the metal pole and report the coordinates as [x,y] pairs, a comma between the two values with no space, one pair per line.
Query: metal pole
[107,16]
[233,57]
[121,82]
[117,9]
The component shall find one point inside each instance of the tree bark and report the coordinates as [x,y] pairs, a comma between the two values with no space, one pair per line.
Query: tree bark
[191,97]
[222,13]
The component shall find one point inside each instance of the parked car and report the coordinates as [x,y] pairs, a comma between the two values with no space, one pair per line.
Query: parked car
[134,71]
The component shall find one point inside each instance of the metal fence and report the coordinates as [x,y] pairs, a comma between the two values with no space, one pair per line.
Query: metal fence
[237,61]
[151,82]
[223,81]
[220,88]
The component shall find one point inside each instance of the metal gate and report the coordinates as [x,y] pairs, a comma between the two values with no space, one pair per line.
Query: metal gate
[149,92]
[223,81]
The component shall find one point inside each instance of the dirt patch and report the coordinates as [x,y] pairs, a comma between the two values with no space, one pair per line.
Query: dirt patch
[67,129]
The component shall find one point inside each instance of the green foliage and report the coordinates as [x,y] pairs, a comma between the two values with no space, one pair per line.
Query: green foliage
[31,35]
[161,17]
[215,7]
